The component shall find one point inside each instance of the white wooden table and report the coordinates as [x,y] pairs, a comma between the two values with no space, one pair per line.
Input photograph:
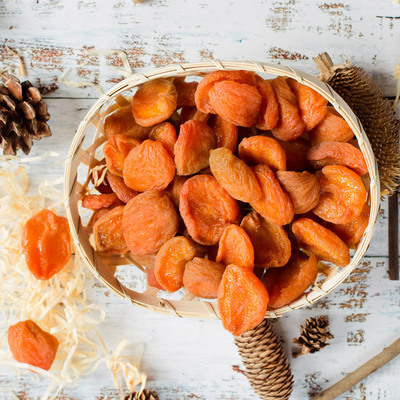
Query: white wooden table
[189,358]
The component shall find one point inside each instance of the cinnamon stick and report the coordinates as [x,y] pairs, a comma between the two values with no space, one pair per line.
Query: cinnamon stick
[386,355]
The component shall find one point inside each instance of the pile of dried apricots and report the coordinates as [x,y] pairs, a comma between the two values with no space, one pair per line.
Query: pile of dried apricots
[238,185]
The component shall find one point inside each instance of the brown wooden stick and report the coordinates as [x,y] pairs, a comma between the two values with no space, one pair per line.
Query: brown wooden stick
[386,355]
[393,233]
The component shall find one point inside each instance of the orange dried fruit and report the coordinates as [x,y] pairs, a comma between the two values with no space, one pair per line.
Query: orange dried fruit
[321,241]
[302,188]
[337,153]
[332,128]
[206,208]
[149,220]
[96,215]
[166,134]
[188,113]
[242,300]
[151,279]
[290,125]
[174,188]
[107,232]
[263,150]
[97,201]
[234,175]
[32,345]
[269,111]
[289,282]
[296,154]
[235,247]
[272,247]
[154,102]
[148,167]
[202,277]
[193,146]
[117,184]
[342,195]
[312,105]
[225,132]
[186,92]
[275,204]
[46,244]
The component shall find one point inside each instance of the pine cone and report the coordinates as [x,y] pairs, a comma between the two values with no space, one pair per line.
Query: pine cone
[313,335]
[267,367]
[145,395]
[23,116]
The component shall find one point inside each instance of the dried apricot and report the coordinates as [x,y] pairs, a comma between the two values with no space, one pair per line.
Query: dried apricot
[242,300]
[275,204]
[149,220]
[302,188]
[271,243]
[332,128]
[263,150]
[202,277]
[269,111]
[225,132]
[154,102]
[31,345]
[337,153]
[96,215]
[206,208]
[151,279]
[312,105]
[97,201]
[342,195]
[174,188]
[186,92]
[290,125]
[193,146]
[234,175]
[118,186]
[321,241]
[188,113]
[46,244]
[289,282]
[166,134]
[148,166]
[296,154]
[235,248]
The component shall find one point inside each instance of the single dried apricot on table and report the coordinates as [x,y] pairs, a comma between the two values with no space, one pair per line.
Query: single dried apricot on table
[275,204]
[149,220]
[321,241]
[312,105]
[206,208]
[148,167]
[234,175]
[46,244]
[272,247]
[235,247]
[242,300]
[192,149]
[269,111]
[171,260]
[302,188]
[226,132]
[166,134]
[154,102]
[290,125]
[97,201]
[263,150]
[108,234]
[296,154]
[342,195]
[289,282]
[31,345]
[202,277]
[337,153]
[118,186]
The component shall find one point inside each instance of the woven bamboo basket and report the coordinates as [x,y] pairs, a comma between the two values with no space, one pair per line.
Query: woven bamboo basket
[85,152]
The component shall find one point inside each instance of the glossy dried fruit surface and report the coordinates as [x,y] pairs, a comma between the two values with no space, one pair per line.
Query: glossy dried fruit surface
[166,134]
[263,150]
[272,247]
[225,132]
[206,208]
[290,125]
[275,204]
[235,247]
[186,92]
[321,241]
[154,102]
[202,277]
[193,146]
[302,188]
[337,153]
[286,284]
[242,300]
[234,175]
[269,110]
[148,167]
[117,184]
[151,279]
[342,195]
[149,220]
[97,201]
[46,244]
[107,232]
[31,345]
[296,154]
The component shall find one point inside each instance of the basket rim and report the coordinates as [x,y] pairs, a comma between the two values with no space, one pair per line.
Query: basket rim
[200,308]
